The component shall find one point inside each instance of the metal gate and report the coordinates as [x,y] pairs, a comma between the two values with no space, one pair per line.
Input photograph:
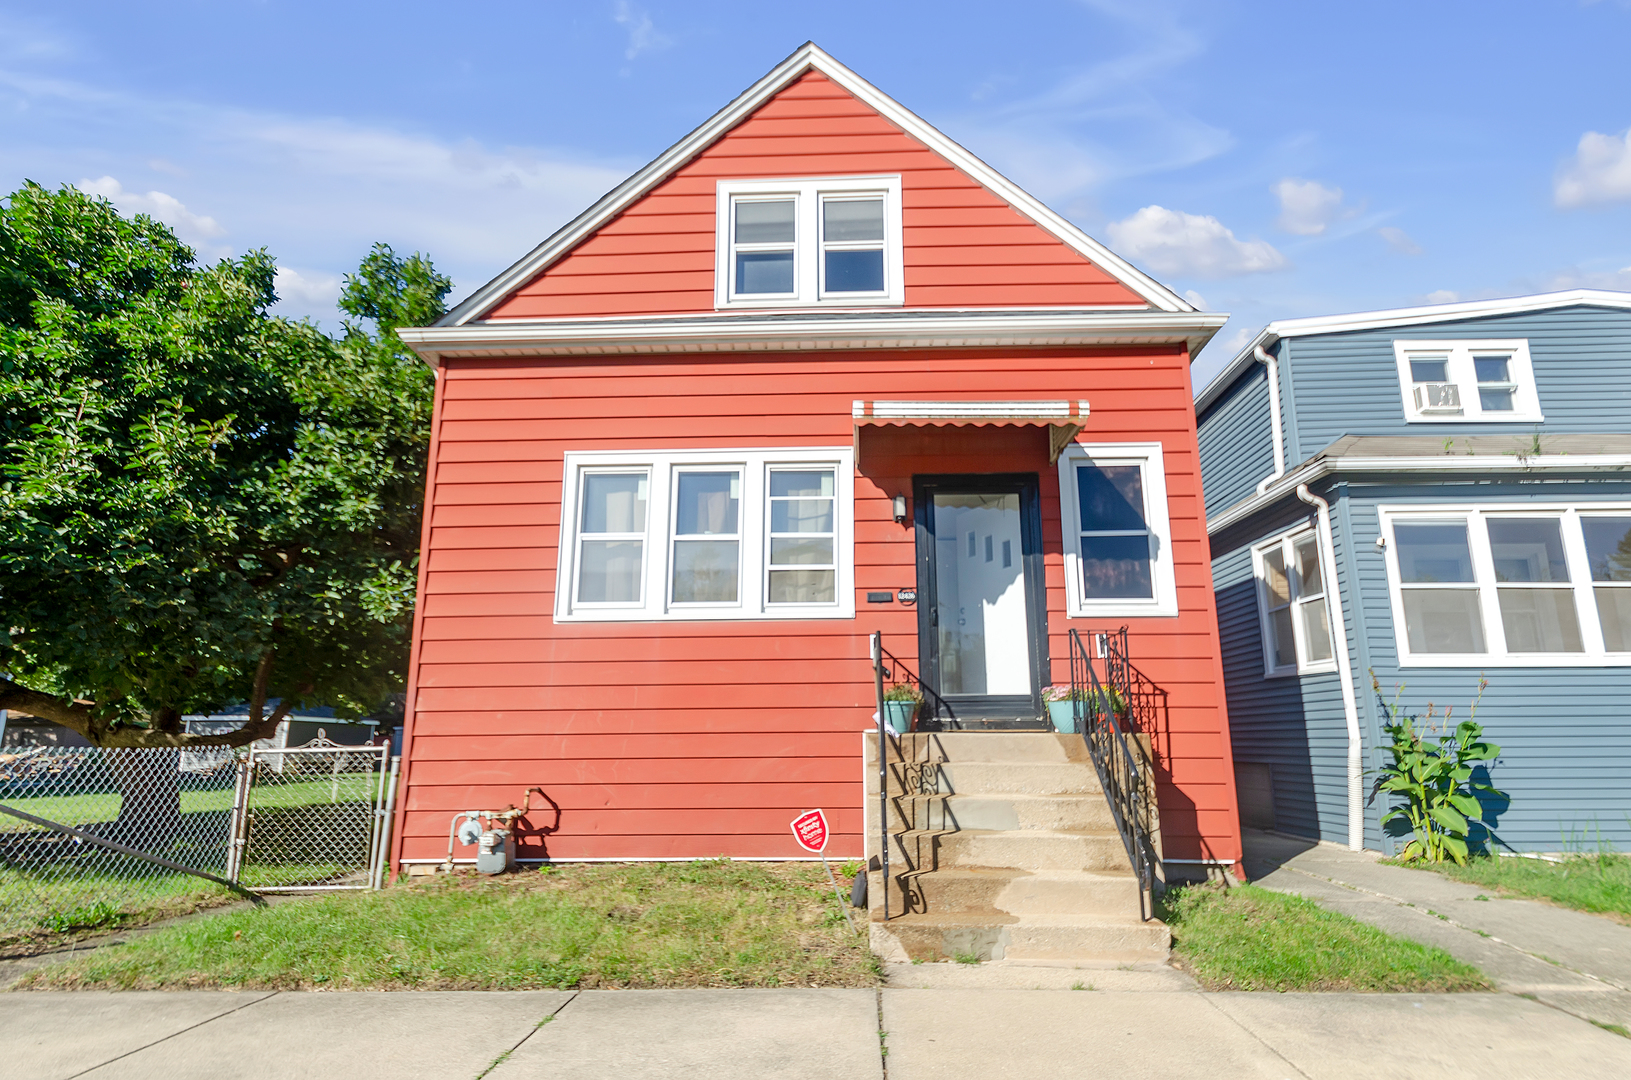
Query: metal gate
[312,817]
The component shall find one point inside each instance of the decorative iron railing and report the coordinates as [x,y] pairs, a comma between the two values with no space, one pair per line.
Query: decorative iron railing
[1103,711]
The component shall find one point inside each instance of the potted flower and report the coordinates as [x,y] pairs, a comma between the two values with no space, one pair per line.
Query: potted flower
[1061,702]
[900,704]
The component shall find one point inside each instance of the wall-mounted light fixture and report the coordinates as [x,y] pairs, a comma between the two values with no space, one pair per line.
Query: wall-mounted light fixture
[900,509]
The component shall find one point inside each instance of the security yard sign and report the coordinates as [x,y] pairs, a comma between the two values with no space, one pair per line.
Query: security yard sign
[810,830]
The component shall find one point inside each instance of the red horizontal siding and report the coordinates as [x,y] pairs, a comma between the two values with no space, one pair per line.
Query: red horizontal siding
[657,256]
[616,720]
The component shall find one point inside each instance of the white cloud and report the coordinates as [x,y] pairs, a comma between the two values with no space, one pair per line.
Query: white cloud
[1306,206]
[193,228]
[308,290]
[1238,340]
[1577,278]
[1399,240]
[1599,172]
[1197,299]
[1443,296]
[1173,242]
[1107,121]
[643,33]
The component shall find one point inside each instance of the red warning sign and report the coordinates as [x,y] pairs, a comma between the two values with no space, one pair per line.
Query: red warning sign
[810,830]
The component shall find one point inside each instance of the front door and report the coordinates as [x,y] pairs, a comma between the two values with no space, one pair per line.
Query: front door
[982,616]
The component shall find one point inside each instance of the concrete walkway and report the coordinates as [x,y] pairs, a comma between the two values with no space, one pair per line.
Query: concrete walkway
[1566,959]
[914,1034]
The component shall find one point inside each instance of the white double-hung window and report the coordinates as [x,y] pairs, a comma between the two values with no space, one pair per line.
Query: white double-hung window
[1511,585]
[1467,381]
[1118,546]
[1291,597]
[735,534]
[823,242]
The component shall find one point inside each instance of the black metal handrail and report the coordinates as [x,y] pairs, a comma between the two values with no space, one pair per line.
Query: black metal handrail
[885,665]
[1100,710]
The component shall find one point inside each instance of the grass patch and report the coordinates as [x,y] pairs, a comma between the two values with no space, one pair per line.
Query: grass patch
[1599,883]
[590,925]
[1247,938]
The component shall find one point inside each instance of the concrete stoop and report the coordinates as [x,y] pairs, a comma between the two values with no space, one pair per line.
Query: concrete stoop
[1002,847]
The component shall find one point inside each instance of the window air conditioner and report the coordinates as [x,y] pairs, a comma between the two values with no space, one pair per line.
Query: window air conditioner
[1438,397]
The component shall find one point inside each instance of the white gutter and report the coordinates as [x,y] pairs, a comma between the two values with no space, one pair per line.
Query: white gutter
[1272,362]
[1435,464]
[1339,645]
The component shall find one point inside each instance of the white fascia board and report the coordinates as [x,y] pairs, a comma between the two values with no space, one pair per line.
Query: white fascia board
[1434,465]
[731,333]
[807,57]
[1412,316]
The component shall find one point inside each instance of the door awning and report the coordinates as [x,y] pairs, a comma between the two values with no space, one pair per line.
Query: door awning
[1062,418]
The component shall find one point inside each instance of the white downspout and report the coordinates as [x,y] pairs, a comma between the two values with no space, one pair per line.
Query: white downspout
[1272,362]
[1339,644]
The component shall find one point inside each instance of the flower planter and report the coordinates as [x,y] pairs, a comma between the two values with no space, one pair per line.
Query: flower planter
[898,715]
[1063,715]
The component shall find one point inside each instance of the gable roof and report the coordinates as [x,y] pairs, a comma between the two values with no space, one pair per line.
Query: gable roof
[808,57]
[1401,317]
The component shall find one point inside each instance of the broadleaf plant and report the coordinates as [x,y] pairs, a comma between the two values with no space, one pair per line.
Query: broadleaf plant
[1431,779]
[201,502]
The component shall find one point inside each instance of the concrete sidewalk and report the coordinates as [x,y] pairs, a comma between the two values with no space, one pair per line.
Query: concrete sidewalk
[979,1034]
[1567,959]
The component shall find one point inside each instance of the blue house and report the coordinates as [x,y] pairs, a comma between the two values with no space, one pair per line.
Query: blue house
[1432,495]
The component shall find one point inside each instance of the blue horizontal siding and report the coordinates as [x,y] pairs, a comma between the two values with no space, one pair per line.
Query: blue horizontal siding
[1348,384]
[1294,724]
[1236,440]
[1564,733]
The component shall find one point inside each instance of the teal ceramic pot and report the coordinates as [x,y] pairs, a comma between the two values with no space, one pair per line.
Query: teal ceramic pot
[1063,715]
[898,715]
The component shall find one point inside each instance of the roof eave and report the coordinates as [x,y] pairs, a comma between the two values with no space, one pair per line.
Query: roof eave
[1320,467]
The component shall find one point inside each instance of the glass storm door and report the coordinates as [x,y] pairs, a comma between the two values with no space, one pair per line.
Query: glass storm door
[981,614]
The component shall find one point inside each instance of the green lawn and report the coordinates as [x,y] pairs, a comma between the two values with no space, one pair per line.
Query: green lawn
[1247,938]
[586,925]
[1599,883]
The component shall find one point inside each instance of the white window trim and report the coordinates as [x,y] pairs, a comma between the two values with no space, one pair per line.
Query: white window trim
[1287,542]
[1574,551]
[1164,584]
[1525,398]
[754,523]
[807,262]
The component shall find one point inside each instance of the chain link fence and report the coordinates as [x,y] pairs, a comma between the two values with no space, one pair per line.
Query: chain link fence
[314,818]
[93,837]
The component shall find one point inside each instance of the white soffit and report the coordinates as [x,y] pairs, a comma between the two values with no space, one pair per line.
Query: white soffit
[1402,317]
[808,57]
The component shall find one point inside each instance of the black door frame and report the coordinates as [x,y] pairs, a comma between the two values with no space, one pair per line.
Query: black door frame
[993,710]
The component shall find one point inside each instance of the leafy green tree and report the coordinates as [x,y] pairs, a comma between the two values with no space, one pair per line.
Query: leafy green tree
[200,502]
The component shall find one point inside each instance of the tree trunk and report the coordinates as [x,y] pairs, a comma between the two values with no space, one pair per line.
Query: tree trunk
[149,782]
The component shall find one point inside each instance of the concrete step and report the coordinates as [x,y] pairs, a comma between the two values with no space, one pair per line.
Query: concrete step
[1005,812]
[1072,851]
[986,890]
[989,778]
[1012,746]
[932,937]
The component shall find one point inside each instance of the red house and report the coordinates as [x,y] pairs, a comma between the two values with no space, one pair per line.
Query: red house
[817,371]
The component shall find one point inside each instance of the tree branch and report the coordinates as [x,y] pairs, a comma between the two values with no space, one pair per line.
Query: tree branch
[74,715]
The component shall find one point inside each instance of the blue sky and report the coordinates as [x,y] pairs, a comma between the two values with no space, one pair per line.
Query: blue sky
[1275,160]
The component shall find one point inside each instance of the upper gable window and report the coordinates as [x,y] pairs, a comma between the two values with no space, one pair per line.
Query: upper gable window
[819,242]
[1467,382]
